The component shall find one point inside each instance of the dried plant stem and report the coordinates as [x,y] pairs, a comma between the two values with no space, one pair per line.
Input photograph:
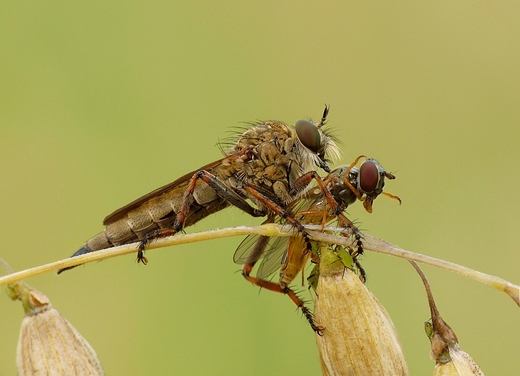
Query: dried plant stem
[370,243]
[268,230]
[377,245]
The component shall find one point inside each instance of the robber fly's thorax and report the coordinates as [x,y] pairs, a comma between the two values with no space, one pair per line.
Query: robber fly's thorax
[275,156]
[272,159]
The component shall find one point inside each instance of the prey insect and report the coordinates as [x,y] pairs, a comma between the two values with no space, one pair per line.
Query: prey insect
[264,165]
[319,205]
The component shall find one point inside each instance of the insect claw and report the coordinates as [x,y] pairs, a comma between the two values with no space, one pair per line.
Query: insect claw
[318,329]
[140,255]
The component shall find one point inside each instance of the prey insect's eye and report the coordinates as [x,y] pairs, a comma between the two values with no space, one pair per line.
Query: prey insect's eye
[368,176]
[309,135]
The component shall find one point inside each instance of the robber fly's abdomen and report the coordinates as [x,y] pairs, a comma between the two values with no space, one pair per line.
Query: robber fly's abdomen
[157,213]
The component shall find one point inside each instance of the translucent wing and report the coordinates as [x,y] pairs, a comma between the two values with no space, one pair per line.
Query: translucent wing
[270,250]
[250,246]
[256,247]
[272,259]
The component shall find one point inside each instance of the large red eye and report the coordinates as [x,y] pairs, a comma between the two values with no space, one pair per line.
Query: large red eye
[308,135]
[368,176]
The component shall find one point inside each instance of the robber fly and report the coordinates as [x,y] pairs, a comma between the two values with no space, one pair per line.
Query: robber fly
[319,205]
[263,165]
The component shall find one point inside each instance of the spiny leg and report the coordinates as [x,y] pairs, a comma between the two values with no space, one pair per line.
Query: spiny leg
[305,180]
[352,263]
[362,273]
[220,189]
[345,222]
[271,286]
[277,209]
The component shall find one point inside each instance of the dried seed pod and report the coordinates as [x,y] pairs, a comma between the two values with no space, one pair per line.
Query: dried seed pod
[49,344]
[359,337]
[450,359]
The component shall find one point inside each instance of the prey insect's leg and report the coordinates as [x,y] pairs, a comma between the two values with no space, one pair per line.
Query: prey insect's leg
[220,189]
[262,283]
[394,197]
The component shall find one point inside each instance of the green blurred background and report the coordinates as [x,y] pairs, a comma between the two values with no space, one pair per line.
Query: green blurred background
[102,102]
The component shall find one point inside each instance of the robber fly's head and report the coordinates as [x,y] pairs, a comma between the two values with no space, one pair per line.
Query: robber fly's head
[316,146]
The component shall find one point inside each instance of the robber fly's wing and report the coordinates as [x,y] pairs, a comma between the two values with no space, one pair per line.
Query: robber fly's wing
[181,184]
[277,246]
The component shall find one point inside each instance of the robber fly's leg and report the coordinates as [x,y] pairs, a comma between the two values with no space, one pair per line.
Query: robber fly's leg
[275,208]
[299,185]
[271,286]
[362,273]
[355,233]
[354,254]
[220,189]
[303,181]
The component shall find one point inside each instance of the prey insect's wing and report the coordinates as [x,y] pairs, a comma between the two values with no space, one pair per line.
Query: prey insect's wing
[278,247]
[180,182]
[243,251]
[253,247]
[259,247]
[273,256]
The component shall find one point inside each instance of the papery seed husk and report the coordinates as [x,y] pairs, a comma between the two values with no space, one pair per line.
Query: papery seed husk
[461,364]
[359,336]
[445,349]
[49,344]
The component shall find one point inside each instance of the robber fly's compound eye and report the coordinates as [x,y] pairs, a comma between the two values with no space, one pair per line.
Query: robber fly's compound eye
[368,176]
[309,135]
